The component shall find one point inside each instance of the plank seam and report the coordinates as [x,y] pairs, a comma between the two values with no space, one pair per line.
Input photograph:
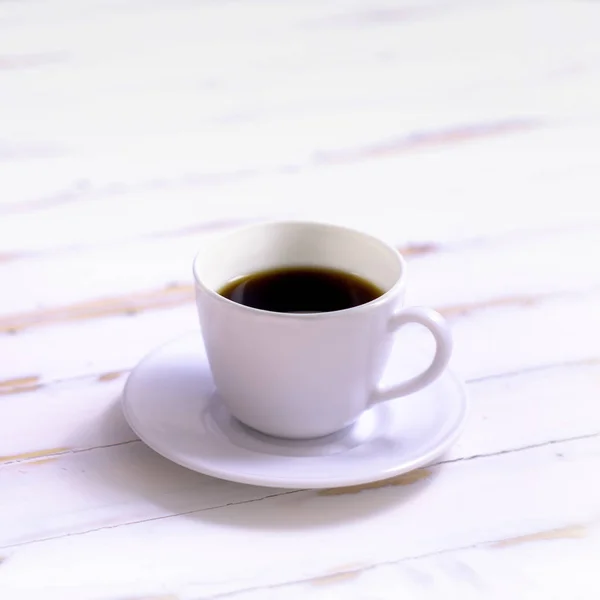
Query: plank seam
[291,492]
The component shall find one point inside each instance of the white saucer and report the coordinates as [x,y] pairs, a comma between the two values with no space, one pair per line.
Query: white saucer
[170,403]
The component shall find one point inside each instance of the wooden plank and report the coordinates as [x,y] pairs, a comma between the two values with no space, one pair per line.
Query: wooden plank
[63,465]
[307,535]
[145,316]
[156,272]
[94,490]
[88,206]
[92,347]
[521,336]
[550,564]
[82,414]
[63,418]
[511,339]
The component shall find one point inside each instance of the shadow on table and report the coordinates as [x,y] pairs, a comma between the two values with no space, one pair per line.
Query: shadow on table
[304,509]
[139,475]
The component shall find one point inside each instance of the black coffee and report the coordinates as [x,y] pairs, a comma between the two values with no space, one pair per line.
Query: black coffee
[301,290]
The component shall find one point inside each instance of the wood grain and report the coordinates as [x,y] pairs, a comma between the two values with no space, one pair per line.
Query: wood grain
[19,385]
[536,571]
[412,250]
[563,533]
[168,297]
[178,294]
[462,310]
[412,141]
[16,458]
[156,275]
[110,376]
[406,479]
[19,382]
[343,574]
[430,139]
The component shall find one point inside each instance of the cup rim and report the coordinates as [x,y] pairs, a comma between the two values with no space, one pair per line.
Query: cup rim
[397,288]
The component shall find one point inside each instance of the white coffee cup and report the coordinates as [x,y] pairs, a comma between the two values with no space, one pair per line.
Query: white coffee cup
[306,375]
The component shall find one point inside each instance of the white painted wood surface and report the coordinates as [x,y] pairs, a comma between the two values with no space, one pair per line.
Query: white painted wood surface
[466,133]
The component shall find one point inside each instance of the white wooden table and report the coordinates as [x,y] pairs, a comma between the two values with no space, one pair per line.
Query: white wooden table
[466,132]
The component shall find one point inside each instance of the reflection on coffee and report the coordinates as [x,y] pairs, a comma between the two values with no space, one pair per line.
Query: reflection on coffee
[301,290]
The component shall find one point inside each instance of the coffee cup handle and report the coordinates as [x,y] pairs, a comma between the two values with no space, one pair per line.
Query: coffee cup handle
[436,324]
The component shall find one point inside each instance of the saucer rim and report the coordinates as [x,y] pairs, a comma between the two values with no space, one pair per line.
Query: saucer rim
[301,482]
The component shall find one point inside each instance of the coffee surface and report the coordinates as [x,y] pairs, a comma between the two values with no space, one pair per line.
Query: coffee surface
[301,290]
